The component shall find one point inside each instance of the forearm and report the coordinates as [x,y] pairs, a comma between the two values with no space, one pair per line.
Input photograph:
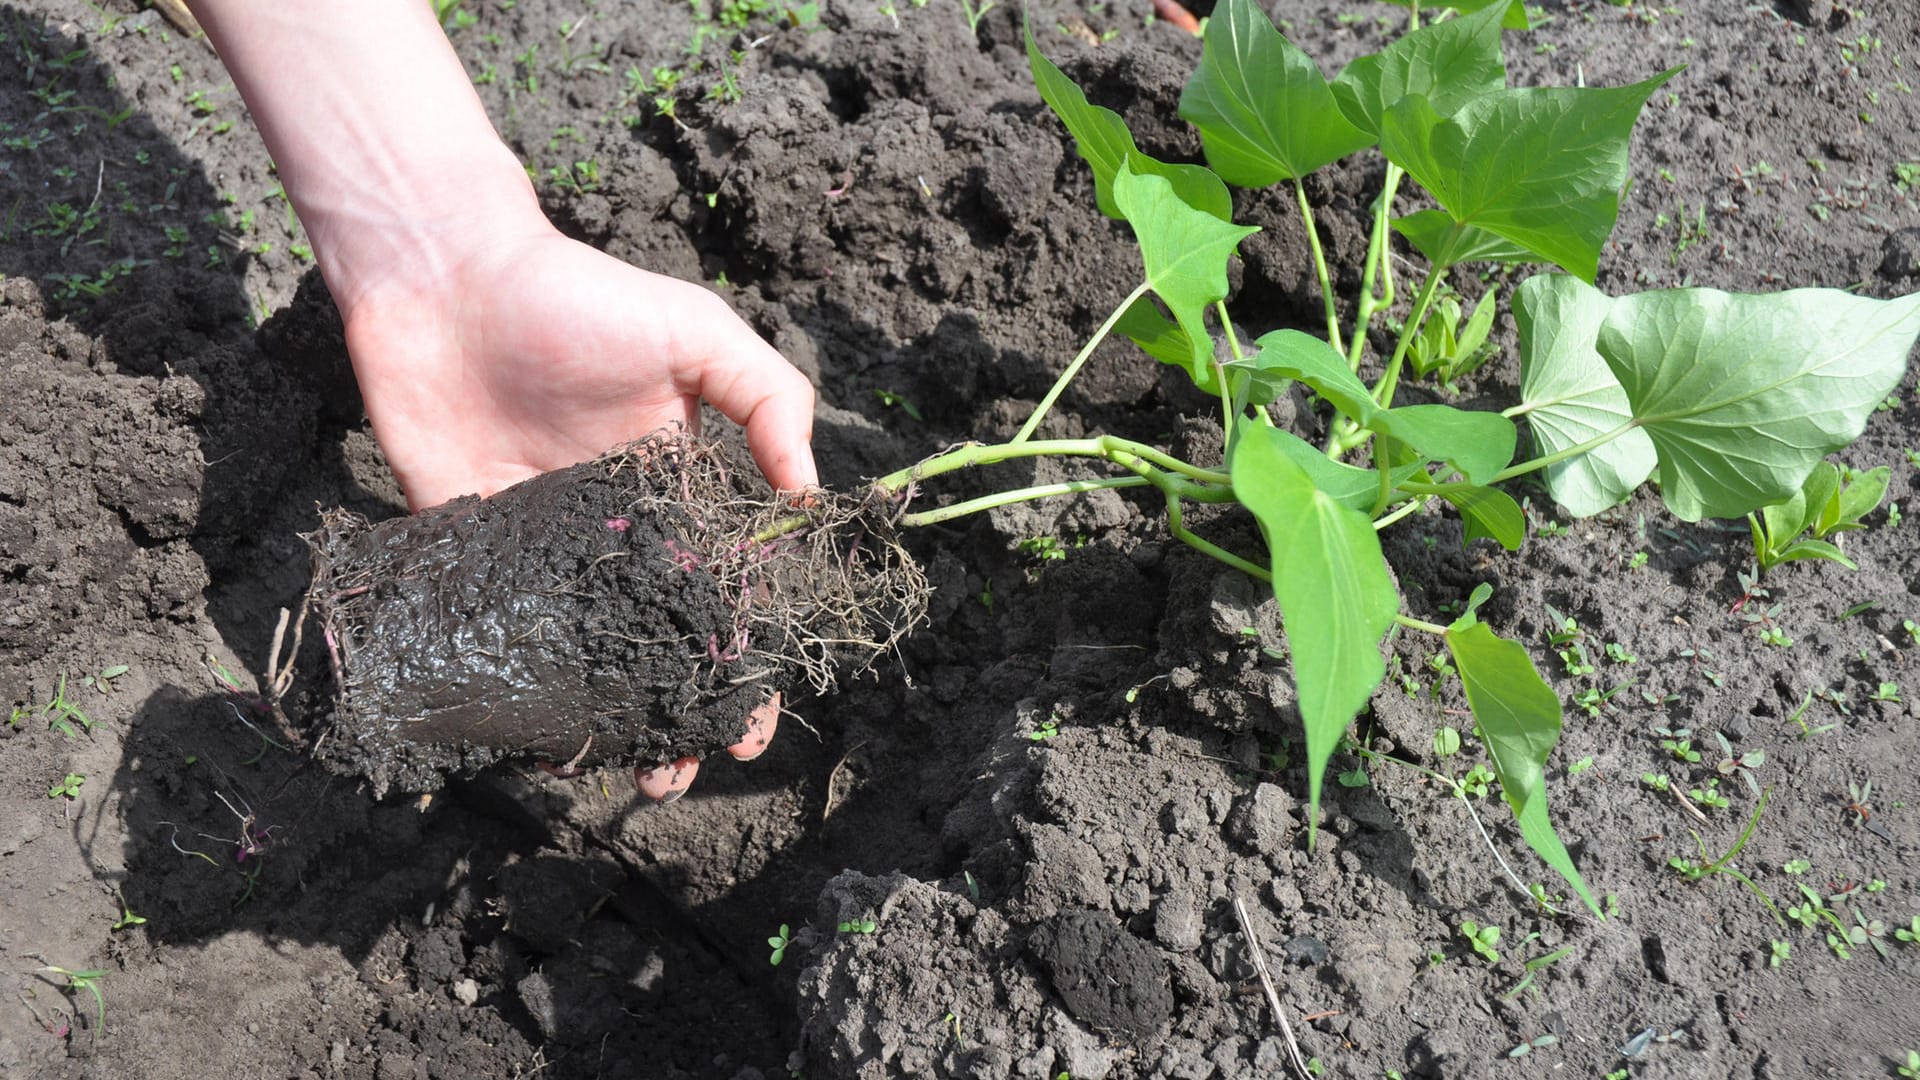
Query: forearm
[378,136]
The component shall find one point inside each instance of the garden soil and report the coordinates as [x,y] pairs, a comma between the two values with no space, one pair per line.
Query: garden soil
[1051,799]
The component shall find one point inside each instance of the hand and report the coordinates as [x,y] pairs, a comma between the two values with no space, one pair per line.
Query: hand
[535,352]
[670,780]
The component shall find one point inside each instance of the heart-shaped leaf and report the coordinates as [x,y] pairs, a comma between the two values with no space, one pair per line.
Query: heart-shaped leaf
[1264,111]
[1185,252]
[1448,63]
[1336,595]
[1743,395]
[1541,167]
[1488,512]
[1104,143]
[1571,395]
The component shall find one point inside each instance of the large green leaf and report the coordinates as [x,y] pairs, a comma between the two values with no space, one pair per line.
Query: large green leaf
[1541,167]
[1479,444]
[1742,394]
[1264,111]
[1349,485]
[1105,143]
[1164,340]
[1448,63]
[1185,252]
[1572,397]
[1519,717]
[1336,595]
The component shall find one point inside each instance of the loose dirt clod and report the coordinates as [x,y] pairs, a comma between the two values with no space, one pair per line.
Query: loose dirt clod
[627,610]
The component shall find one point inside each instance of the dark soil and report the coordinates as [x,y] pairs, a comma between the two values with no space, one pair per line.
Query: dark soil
[888,202]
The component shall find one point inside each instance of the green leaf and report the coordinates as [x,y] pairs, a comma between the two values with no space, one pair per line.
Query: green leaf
[1540,167]
[1162,339]
[1514,17]
[1788,519]
[1743,395]
[1815,549]
[1185,252]
[1449,63]
[1479,444]
[1105,144]
[1264,111]
[1349,485]
[1860,498]
[1519,718]
[1572,397]
[1488,512]
[1337,597]
[1444,243]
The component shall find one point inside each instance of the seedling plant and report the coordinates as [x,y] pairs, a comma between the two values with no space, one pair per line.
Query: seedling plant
[1733,400]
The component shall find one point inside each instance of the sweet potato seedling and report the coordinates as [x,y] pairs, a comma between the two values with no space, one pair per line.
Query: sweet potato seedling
[1733,401]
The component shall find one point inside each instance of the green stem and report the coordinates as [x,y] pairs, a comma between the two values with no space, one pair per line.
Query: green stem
[1079,361]
[1103,446]
[1383,393]
[1378,268]
[1405,508]
[1412,623]
[1006,498]
[1177,526]
[1320,268]
[1574,451]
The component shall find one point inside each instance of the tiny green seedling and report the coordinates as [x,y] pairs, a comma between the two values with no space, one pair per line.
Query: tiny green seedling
[1909,933]
[1679,743]
[1482,939]
[102,680]
[1778,953]
[1741,764]
[892,400]
[1911,1070]
[1534,967]
[68,788]
[1537,1043]
[1701,868]
[60,713]
[1478,782]
[1799,527]
[1865,931]
[1887,691]
[89,981]
[127,919]
[858,926]
[778,943]
[1048,729]
[1447,349]
[1446,741]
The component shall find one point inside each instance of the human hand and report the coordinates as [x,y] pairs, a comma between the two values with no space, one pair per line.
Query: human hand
[535,352]
[670,780]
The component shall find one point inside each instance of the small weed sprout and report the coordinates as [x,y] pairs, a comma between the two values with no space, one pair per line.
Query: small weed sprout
[778,943]
[1482,939]
[67,788]
[1741,764]
[88,980]
[858,926]
[1778,952]
[1911,1070]
[127,919]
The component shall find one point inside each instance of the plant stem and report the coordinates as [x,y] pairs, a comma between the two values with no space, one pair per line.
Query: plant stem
[1079,361]
[1389,382]
[1404,509]
[1377,268]
[1320,267]
[1412,623]
[1177,526]
[1559,456]
[1104,446]
[1005,498]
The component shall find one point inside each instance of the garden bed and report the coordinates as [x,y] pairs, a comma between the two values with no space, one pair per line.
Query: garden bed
[1050,800]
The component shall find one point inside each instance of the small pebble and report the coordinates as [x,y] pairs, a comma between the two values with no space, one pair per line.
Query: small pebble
[466,992]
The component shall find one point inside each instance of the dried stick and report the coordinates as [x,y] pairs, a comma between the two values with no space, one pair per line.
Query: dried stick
[1266,983]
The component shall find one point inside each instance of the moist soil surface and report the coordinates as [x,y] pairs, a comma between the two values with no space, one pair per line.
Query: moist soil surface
[883,196]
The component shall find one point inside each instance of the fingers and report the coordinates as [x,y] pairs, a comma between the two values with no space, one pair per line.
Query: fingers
[760,725]
[668,780]
[755,387]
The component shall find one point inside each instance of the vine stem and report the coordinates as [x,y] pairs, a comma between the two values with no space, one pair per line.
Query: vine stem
[1389,382]
[1378,268]
[1412,623]
[1026,494]
[1060,384]
[1117,450]
[1320,267]
[1559,456]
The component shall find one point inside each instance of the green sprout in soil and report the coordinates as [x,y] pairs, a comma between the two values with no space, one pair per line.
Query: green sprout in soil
[127,919]
[1702,868]
[1730,401]
[60,713]
[89,981]
[778,943]
[1778,952]
[1482,939]
[858,926]
[1887,691]
[1911,1069]
[1741,764]
[67,788]
[1909,933]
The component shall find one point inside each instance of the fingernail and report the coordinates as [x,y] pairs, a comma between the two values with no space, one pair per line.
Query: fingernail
[671,796]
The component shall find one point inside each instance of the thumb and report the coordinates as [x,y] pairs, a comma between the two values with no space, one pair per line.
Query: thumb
[751,384]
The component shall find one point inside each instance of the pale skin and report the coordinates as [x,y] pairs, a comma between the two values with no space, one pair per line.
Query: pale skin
[488,346]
